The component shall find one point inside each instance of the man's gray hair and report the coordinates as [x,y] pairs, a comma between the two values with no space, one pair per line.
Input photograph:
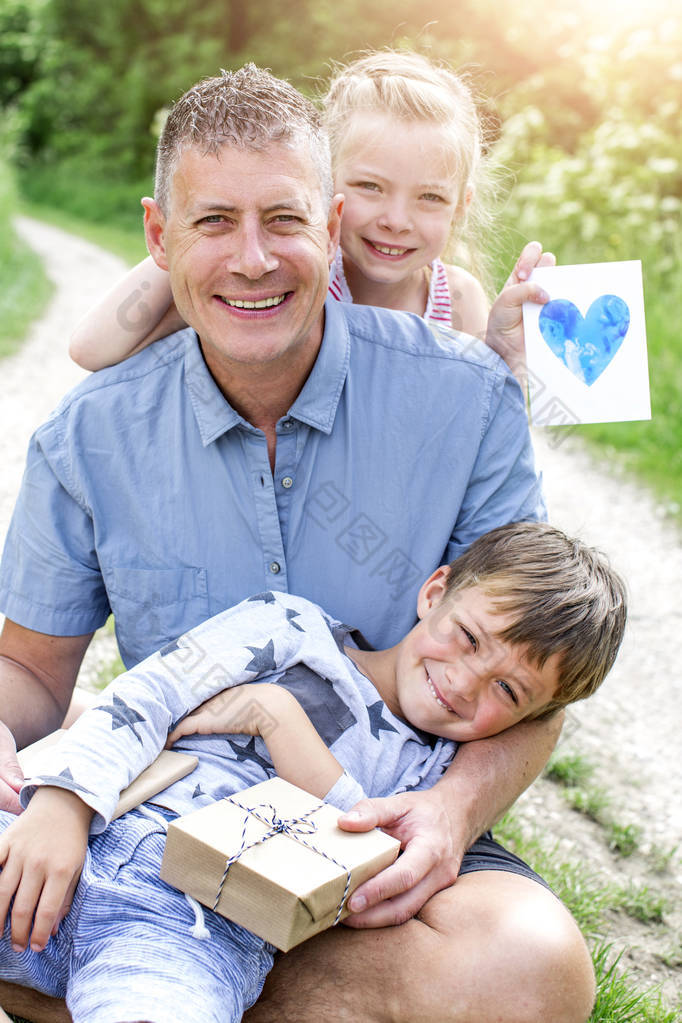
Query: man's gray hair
[249,108]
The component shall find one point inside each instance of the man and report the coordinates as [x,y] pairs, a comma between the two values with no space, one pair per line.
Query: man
[333,451]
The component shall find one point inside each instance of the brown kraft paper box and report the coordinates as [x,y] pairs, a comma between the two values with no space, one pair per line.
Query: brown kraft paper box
[281,889]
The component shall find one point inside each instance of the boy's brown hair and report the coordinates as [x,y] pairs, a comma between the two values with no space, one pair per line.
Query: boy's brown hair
[564,595]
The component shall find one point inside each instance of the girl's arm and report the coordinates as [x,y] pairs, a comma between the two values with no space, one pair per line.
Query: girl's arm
[470,306]
[137,311]
[298,753]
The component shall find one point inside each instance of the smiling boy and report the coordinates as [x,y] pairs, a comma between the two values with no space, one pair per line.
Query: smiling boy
[523,623]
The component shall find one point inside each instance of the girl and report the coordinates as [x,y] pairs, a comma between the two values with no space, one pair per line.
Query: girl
[407,154]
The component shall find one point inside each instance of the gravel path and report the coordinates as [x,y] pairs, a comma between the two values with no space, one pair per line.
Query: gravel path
[631,728]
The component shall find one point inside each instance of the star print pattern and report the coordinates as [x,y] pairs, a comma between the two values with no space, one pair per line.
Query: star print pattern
[248,752]
[63,780]
[327,711]
[377,721]
[291,614]
[263,660]
[266,598]
[122,716]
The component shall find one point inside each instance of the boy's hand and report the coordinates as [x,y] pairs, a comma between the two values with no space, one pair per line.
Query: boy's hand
[243,710]
[432,853]
[39,872]
[505,322]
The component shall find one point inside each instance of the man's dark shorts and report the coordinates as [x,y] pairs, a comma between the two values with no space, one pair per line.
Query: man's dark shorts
[487,854]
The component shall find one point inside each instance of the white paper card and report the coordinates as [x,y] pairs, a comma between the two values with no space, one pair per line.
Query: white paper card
[586,349]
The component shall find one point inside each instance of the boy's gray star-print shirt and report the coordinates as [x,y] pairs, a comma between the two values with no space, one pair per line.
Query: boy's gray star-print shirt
[276,638]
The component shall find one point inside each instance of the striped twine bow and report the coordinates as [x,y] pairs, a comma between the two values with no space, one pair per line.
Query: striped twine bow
[293,827]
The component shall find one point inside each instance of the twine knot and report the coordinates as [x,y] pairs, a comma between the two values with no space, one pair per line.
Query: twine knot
[295,828]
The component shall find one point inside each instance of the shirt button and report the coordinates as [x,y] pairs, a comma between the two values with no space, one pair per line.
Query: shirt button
[288,424]
[287,482]
[274,567]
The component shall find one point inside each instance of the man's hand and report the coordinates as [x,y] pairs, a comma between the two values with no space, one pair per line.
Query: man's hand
[11,776]
[432,853]
[39,873]
[505,322]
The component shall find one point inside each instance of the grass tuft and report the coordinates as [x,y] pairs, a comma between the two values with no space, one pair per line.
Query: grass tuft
[618,1001]
[569,770]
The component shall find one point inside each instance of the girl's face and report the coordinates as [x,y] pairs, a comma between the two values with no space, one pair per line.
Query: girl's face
[401,196]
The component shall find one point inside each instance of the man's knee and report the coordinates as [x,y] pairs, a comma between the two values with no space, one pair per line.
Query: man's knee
[494,947]
[515,953]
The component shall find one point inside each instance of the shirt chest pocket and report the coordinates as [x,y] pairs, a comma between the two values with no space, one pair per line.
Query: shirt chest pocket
[152,606]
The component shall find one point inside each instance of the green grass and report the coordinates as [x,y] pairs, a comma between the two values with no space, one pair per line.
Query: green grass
[26,288]
[573,772]
[663,858]
[570,769]
[620,997]
[618,1000]
[653,450]
[639,902]
[623,839]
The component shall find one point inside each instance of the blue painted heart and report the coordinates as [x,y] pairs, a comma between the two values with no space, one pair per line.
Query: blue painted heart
[586,345]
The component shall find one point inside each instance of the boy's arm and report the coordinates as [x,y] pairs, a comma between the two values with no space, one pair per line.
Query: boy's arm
[39,873]
[137,310]
[112,743]
[297,752]
[437,826]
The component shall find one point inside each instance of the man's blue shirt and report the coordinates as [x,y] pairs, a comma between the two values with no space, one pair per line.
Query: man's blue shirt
[147,495]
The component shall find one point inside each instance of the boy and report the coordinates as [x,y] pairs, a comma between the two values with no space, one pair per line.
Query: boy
[524,622]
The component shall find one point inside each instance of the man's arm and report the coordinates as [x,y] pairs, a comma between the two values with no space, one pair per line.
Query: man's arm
[436,827]
[37,677]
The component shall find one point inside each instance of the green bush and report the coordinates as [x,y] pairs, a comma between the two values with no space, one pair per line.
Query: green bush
[616,195]
[88,191]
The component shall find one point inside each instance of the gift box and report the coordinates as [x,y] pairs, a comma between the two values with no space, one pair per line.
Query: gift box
[273,859]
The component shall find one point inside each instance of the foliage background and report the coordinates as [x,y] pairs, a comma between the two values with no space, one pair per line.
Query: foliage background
[584,104]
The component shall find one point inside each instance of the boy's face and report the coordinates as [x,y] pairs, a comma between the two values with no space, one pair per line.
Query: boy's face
[456,678]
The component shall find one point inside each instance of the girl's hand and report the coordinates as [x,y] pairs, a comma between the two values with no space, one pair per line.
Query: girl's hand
[505,323]
[248,709]
[39,873]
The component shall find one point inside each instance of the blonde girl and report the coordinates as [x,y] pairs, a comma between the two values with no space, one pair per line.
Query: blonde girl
[407,151]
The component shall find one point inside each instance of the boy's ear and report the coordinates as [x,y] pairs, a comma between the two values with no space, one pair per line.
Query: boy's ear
[154,224]
[432,590]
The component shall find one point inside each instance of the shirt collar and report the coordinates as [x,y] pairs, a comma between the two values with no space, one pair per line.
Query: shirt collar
[317,403]
[213,413]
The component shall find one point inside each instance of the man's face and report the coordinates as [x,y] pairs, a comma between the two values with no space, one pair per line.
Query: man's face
[248,242]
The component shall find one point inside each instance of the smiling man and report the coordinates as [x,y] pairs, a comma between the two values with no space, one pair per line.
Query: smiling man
[247,236]
[337,452]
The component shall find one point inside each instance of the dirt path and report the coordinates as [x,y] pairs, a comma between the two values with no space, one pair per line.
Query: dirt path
[631,729]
